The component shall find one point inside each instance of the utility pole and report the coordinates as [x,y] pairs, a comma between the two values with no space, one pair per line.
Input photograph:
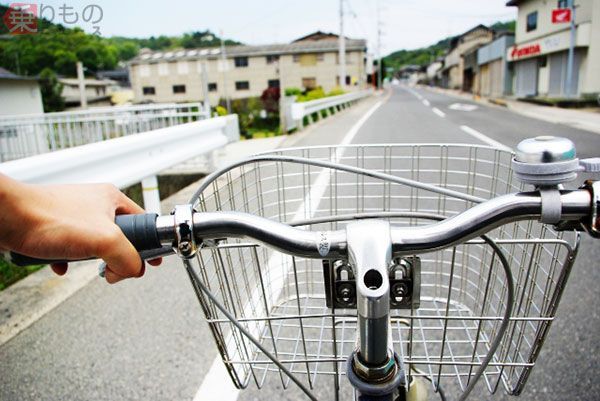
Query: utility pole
[81,80]
[224,61]
[342,49]
[205,86]
[569,84]
[379,66]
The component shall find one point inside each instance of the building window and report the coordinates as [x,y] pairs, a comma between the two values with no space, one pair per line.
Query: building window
[320,57]
[182,67]
[163,69]
[272,59]
[532,21]
[563,3]
[348,80]
[149,90]
[296,58]
[273,83]
[178,88]
[144,70]
[241,61]
[242,85]
[212,86]
[309,83]
[308,59]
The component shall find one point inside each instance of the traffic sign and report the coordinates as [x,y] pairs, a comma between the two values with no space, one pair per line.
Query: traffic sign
[561,15]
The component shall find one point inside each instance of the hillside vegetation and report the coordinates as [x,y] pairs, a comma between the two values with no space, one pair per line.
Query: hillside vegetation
[58,48]
[426,55]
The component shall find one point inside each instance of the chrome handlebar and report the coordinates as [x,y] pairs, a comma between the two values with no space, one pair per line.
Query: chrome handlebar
[577,206]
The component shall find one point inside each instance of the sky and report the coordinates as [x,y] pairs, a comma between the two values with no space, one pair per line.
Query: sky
[405,24]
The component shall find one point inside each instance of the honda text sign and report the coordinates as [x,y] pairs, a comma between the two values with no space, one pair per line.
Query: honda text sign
[561,15]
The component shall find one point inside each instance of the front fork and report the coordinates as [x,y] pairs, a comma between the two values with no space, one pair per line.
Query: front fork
[373,369]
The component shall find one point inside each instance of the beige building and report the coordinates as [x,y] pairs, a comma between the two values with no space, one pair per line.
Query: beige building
[19,95]
[309,62]
[454,74]
[98,92]
[539,55]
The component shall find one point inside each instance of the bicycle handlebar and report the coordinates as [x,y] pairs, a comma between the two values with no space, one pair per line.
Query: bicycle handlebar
[155,235]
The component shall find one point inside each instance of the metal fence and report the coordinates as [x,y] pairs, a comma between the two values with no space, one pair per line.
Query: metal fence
[28,135]
[295,112]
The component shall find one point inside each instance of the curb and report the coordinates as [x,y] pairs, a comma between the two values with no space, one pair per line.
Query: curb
[26,301]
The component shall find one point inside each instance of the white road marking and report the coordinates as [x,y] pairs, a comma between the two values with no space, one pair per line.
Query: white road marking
[426,102]
[217,385]
[438,112]
[484,138]
[413,92]
[463,107]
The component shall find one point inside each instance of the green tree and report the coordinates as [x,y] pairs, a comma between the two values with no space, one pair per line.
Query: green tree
[51,91]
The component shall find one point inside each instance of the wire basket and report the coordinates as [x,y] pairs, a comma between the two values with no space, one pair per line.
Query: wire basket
[280,299]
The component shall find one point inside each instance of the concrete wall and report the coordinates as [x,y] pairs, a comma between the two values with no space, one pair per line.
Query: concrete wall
[164,75]
[20,97]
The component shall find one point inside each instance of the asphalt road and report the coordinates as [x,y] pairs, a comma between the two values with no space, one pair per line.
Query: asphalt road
[146,339]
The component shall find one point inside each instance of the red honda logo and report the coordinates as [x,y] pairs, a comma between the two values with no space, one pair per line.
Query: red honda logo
[529,50]
[561,15]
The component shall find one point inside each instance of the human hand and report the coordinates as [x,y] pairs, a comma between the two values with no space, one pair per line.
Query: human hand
[69,222]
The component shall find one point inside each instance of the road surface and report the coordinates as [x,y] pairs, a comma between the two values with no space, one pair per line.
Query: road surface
[146,339]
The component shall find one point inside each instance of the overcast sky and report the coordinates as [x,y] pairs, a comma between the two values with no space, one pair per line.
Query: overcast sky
[406,24]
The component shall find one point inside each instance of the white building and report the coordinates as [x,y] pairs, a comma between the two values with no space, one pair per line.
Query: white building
[97,92]
[309,62]
[19,95]
[541,47]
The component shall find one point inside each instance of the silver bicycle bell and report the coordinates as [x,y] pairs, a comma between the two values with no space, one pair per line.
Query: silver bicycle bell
[548,161]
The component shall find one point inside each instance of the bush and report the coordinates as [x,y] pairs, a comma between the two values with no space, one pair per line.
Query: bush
[312,95]
[221,111]
[292,91]
[336,91]
[270,100]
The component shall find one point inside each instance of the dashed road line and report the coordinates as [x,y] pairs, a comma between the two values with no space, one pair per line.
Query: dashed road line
[438,112]
[426,102]
[484,138]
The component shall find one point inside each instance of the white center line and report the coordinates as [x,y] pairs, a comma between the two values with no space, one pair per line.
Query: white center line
[426,102]
[438,112]
[484,138]
[217,385]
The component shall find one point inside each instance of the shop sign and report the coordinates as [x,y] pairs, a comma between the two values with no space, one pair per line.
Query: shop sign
[561,15]
[525,51]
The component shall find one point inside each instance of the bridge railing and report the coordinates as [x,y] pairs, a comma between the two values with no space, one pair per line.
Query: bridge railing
[297,111]
[128,160]
[29,135]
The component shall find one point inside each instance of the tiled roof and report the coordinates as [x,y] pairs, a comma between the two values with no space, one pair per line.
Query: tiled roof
[261,50]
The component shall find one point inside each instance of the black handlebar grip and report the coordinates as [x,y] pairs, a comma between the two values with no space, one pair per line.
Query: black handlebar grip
[140,230]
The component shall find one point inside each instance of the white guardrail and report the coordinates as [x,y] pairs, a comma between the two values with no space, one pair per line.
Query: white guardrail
[128,160]
[32,134]
[298,110]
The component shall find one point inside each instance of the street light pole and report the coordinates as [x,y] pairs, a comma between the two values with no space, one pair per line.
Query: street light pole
[342,48]
[224,62]
[569,84]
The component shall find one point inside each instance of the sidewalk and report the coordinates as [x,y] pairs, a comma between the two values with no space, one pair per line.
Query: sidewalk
[585,120]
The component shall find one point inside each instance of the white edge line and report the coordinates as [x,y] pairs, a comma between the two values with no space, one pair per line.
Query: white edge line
[484,138]
[438,112]
[217,385]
